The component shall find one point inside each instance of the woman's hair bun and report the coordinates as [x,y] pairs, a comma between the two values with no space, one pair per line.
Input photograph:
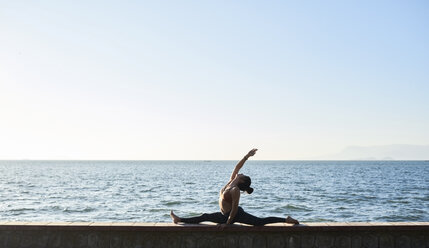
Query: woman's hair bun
[249,190]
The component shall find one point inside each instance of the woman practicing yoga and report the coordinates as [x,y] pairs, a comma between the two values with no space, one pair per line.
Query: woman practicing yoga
[229,197]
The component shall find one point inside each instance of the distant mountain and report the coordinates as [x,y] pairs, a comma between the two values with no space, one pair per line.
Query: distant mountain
[385,152]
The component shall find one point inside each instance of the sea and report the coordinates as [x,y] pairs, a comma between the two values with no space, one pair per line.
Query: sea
[146,191]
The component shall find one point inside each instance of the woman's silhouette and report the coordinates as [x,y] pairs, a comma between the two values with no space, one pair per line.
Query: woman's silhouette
[229,198]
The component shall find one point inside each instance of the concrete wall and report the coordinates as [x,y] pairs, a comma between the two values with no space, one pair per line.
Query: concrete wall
[138,235]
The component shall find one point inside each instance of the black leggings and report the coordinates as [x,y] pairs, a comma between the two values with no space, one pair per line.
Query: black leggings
[241,217]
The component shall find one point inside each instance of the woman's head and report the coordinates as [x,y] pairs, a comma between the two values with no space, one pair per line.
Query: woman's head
[244,183]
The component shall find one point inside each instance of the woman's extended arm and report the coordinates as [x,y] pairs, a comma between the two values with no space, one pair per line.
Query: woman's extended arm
[241,163]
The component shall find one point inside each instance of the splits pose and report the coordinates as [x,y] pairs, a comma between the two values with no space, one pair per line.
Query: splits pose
[229,198]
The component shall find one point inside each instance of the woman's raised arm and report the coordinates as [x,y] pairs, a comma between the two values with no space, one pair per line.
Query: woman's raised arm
[241,163]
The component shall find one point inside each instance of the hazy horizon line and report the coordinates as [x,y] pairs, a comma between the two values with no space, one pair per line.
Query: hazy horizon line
[209,160]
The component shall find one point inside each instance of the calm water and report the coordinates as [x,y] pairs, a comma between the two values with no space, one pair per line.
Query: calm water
[145,191]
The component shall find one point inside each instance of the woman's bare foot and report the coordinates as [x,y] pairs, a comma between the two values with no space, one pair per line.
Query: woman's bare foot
[291,220]
[175,218]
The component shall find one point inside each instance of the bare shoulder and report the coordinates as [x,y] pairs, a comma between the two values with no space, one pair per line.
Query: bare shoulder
[226,186]
[235,190]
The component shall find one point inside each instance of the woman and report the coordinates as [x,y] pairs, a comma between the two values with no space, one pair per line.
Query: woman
[229,197]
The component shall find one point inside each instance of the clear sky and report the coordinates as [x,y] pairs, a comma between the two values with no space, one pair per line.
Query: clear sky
[210,79]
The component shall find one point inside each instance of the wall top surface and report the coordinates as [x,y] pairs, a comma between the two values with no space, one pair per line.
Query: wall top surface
[170,227]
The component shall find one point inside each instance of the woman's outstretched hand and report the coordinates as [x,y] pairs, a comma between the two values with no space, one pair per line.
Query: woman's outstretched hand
[241,163]
[251,152]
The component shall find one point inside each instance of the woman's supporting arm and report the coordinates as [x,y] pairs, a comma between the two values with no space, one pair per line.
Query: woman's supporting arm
[241,163]
[235,195]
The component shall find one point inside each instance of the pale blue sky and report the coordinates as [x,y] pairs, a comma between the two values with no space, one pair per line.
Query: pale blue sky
[210,79]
